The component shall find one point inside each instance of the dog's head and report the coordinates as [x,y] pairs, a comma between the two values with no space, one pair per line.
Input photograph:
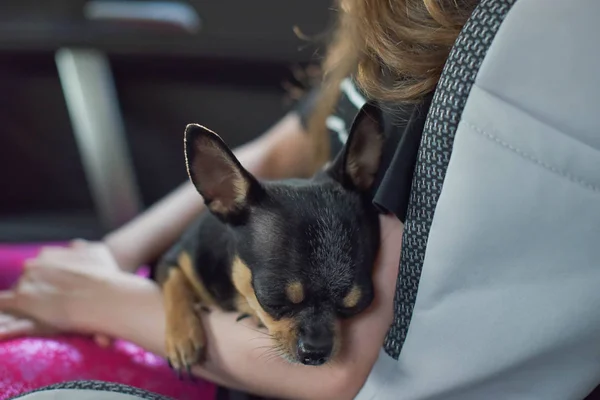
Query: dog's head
[305,248]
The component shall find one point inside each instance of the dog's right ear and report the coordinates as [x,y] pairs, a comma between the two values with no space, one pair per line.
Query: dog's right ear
[217,174]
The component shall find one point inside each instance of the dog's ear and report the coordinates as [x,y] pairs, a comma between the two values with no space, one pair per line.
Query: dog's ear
[217,174]
[357,164]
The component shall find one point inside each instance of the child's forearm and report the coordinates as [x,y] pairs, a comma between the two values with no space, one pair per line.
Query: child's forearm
[148,235]
[279,153]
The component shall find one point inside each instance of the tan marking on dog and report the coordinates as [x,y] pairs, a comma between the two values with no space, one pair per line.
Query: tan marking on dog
[185,339]
[283,331]
[295,292]
[187,266]
[352,298]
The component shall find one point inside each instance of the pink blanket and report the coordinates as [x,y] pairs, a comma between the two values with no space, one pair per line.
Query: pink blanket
[30,363]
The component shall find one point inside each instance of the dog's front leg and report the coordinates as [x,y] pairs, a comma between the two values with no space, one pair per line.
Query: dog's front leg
[185,338]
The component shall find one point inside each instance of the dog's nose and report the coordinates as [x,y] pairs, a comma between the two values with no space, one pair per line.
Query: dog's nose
[315,347]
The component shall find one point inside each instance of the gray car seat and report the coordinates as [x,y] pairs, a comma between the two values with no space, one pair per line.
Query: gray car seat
[498,295]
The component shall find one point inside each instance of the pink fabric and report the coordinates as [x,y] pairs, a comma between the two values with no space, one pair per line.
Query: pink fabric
[30,363]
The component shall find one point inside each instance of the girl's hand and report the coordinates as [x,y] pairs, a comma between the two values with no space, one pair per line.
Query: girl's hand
[60,290]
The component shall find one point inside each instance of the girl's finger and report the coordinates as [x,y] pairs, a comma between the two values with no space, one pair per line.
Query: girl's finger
[50,252]
[6,318]
[63,261]
[78,243]
[103,341]
[15,327]
[8,299]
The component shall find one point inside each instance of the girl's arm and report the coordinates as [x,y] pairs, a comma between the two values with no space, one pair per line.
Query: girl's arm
[283,151]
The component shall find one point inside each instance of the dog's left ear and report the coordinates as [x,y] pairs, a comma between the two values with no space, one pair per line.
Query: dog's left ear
[357,164]
[217,174]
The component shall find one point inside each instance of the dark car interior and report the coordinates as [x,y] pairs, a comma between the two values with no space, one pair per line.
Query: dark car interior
[96,95]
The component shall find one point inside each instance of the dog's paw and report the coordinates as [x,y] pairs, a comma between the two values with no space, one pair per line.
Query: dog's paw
[185,343]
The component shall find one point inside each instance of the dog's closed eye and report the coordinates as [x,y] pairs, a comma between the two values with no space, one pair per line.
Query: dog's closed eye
[279,310]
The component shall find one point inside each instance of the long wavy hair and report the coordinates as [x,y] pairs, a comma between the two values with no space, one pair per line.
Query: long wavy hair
[394,50]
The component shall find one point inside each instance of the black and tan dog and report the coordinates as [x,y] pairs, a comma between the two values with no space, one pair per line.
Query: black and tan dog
[296,255]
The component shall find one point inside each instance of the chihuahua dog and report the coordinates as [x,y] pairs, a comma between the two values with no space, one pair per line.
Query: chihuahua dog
[296,255]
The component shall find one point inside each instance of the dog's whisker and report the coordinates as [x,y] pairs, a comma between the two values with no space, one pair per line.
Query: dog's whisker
[273,356]
[267,347]
[272,352]
[259,338]
[258,331]
[269,355]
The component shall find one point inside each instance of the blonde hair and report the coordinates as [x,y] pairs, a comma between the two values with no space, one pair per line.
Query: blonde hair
[395,51]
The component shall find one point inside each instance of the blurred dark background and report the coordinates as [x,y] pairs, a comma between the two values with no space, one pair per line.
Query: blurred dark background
[96,94]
